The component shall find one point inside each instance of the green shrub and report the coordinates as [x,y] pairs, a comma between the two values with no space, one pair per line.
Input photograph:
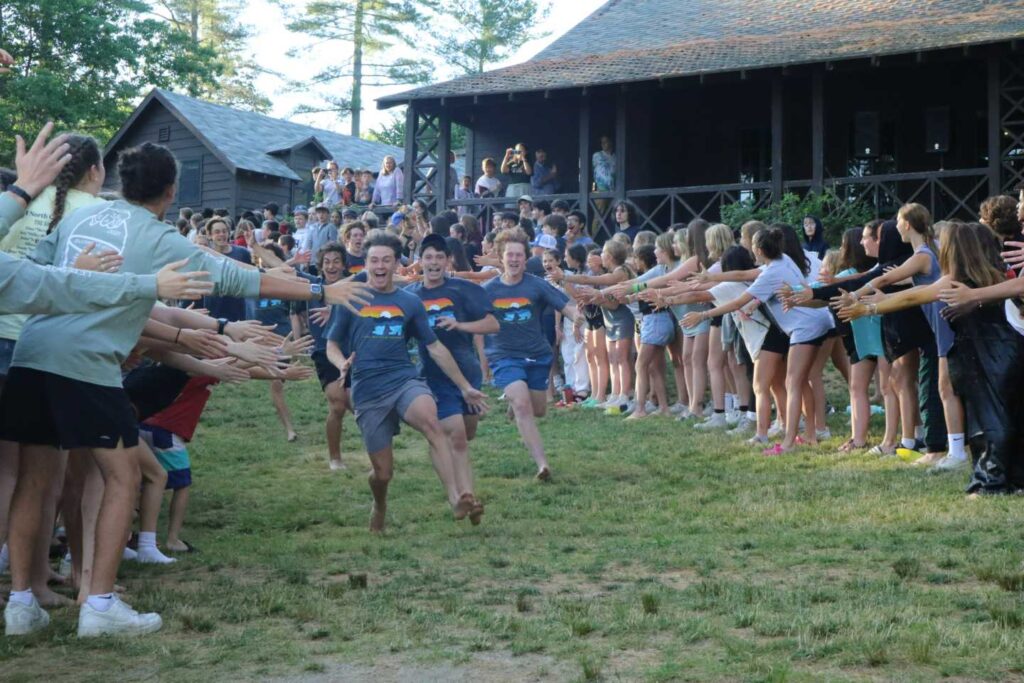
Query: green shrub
[836,215]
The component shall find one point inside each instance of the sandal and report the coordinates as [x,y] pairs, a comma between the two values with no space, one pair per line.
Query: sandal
[882,452]
[850,446]
[777,449]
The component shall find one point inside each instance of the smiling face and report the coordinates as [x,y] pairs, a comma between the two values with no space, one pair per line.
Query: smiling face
[389,164]
[333,267]
[514,259]
[435,265]
[219,234]
[380,267]
[573,225]
[549,262]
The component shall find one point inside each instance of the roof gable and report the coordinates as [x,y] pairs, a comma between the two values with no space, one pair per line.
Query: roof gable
[248,141]
[637,40]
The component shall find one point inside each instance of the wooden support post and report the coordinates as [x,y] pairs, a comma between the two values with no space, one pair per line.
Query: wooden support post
[584,156]
[470,162]
[777,139]
[817,132]
[621,145]
[409,162]
[442,183]
[995,152]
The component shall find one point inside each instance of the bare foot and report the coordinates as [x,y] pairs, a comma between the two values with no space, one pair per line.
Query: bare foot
[377,515]
[637,416]
[476,513]
[928,459]
[47,598]
[544,474]
[463,507]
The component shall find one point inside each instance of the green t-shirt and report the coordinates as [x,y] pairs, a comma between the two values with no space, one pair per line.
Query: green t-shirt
[90,347]
[26,233]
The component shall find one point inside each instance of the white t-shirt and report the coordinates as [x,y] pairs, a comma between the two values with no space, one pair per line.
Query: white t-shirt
[490,184]
[801,324]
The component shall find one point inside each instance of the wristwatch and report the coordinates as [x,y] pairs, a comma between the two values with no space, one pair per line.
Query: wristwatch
[221,324]
[20,192]
[317,290]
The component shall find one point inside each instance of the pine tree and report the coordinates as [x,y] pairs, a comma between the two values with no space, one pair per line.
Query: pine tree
[489,31]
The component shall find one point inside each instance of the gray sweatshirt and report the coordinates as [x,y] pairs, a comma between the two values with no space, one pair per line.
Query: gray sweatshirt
[29,288]
[90,347]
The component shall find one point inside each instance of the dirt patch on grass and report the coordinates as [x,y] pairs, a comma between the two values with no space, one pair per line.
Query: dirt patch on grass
[493,667]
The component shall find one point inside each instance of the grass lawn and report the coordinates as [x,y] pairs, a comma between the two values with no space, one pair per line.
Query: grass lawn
[656,554]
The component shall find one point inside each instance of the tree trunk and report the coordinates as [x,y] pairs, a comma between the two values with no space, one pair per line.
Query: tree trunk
[357,67]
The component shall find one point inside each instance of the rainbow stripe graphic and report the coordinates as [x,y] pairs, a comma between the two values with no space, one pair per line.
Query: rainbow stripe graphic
[513,302]
[386,312]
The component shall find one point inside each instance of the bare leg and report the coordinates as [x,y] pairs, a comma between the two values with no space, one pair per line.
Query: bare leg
[383,462]
[643,363]
[154,480]
[176,519]
[699,370]
[462,472]
[41,561]
[801,358]
[92,497]
[739,379]
[422,416]
[817,383]
[716,368]
[891,403]
[658,380]
[281,406]
[37,468]
[951,405]
[8,479]
[625,351]
[903,376]
[765,369]
[524,409]
[860,408]
[675,350]
[121,478]
[337,404]
[613,367]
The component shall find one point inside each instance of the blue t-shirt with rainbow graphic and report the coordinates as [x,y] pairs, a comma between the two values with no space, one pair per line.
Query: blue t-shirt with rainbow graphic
[518,308]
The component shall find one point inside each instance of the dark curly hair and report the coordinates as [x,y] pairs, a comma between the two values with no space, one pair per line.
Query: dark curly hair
[146,172]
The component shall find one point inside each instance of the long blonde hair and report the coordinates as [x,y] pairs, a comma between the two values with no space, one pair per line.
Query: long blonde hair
[384,165]
[719,238]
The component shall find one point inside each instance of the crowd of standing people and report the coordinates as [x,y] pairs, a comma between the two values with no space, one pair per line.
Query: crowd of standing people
[106,368]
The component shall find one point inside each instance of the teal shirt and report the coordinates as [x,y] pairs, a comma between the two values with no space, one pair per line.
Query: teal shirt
[29,288]
[90,347]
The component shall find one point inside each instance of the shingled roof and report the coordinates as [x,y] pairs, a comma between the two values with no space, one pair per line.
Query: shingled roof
[638,40]
[248,141]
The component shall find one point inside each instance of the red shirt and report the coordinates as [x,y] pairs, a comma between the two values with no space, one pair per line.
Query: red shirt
[181,417]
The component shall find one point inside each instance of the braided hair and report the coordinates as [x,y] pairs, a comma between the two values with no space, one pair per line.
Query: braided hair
[85,153]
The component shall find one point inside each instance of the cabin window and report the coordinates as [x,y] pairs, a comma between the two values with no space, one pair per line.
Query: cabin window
[164,135]
[190,182]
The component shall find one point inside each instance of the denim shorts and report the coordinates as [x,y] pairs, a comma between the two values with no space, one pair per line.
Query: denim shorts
[657,329]
[6,355]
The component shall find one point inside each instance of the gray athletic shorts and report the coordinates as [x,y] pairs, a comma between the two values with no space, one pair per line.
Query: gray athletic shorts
[380,418]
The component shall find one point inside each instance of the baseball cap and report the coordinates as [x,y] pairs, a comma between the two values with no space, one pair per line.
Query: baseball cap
[434,241]
[545,241]
[525,198]
[301,209]
[396,218]
[323,206]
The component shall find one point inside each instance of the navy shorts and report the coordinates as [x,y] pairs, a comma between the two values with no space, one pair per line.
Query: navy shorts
[533,371]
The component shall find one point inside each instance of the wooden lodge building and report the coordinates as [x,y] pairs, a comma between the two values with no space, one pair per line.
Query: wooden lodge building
[236,159]
[712,101]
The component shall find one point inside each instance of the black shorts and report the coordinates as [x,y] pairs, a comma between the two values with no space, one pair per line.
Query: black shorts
[817,341]
[42,408]
[716,321]
[776,340]
[326,372]
[151,388]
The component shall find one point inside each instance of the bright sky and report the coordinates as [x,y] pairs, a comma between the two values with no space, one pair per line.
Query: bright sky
[271,41]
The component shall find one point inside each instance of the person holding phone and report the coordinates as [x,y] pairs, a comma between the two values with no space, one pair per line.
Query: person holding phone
[516,165]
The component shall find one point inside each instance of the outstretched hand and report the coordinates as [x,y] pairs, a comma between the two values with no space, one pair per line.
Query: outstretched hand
[348,293]
[476,400]
[104,262]
[172,284]
[38,165]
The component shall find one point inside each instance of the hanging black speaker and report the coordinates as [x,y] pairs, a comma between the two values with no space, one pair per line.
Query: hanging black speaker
[936,129]
[866,134]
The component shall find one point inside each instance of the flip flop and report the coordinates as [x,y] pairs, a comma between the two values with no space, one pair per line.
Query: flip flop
[774,450]
[188,549]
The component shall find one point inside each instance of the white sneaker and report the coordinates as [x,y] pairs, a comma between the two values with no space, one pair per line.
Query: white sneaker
[613,400]
[21,620]
[678,409]
[337,465]
[154,556]
[119,620]
[650,407]
[775,429]
[743,427]
[559,382]
[756,440]
[823,434]
[129,554]
[733,417]
[716,421]
[65,565]
[949,464]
